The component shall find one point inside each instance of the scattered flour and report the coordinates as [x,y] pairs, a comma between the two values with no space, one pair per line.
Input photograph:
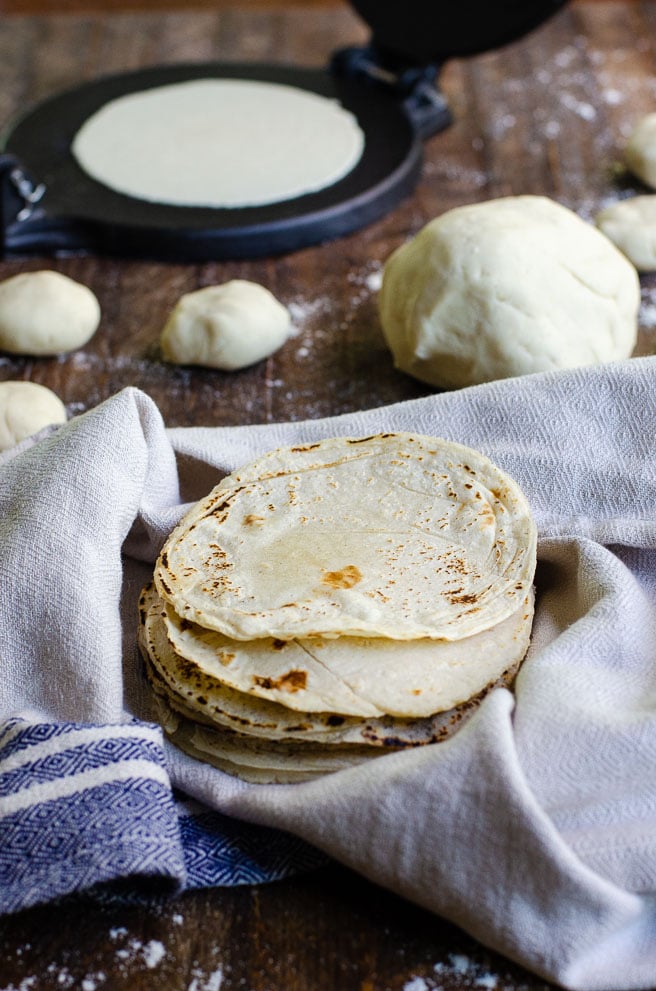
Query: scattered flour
[313,318]
[62,977]
[567,81]
[613,97]
[416,984]
[153,953]
[131,953]
[564,58]
[150,954]
[647,315]
[366,282]
[374,280]
[580,107]
[304,310]
[456,173]
[551,129]
[486,981]
[460,963]
[93,981]
[501,124]
[460,966]
[210,982]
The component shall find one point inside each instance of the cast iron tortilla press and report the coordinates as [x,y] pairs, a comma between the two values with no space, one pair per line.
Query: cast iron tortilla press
[49,204]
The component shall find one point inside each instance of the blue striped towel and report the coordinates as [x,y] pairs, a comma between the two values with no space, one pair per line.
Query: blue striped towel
[84,804]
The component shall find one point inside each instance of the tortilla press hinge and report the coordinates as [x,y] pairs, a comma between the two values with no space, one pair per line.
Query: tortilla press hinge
[414,85]
[19,195]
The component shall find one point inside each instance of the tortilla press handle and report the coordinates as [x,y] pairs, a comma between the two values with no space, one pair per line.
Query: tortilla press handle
[414,85]
[19,193]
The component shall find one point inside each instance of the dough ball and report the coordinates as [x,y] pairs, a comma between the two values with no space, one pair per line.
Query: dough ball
[504,288]
[640,152]
[631,225]
[25,408]
[44,313]
[228,326]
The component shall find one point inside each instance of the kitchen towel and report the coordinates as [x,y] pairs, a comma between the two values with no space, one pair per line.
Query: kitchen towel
[533,828]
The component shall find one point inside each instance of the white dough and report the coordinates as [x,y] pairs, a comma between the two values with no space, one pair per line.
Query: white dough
[228,326]
[219,143]
[505,288]
[45,313]
[25,408]
[631,225]
[640,152]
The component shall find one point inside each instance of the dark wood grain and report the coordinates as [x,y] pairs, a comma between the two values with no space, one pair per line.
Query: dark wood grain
[87,6]
[548,115]
[327,930]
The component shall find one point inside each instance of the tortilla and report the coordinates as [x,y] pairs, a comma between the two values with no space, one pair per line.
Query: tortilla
[206,698]
[219,143]
[357,676]
[180,731]
[397,536]
[178,721]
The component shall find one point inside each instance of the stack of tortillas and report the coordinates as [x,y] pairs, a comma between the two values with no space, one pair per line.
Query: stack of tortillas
[331,602]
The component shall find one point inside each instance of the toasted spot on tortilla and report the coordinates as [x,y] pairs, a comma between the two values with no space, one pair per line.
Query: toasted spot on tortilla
[292,681]
[345,578]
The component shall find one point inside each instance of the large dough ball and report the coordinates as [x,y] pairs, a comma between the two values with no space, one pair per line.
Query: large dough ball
[640,151]
[45,313]
[228,326]
[504,288]
[631,225]
[25,408]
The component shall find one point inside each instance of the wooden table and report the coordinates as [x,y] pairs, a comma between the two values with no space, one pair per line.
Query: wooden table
[548,114]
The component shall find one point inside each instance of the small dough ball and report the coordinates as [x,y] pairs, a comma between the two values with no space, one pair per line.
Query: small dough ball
[25,408]
[504,288]
[631,225]
[45,313]
[228,326]
[640,151]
